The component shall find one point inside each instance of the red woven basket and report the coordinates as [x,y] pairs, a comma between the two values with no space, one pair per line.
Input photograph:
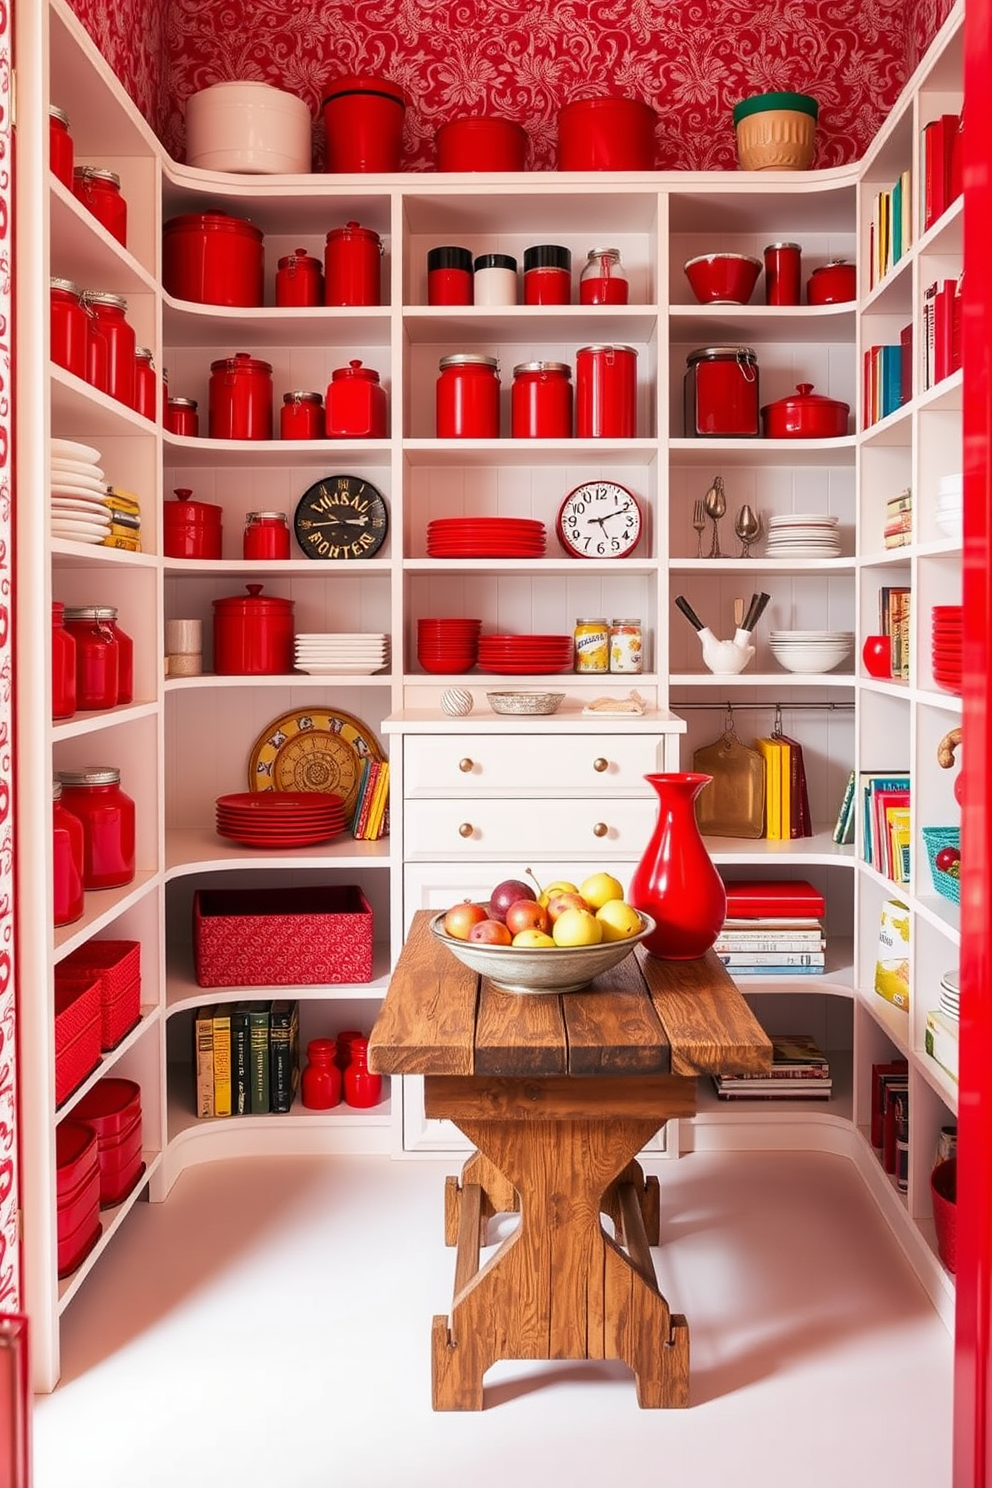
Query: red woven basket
[77,1033]
[117,963]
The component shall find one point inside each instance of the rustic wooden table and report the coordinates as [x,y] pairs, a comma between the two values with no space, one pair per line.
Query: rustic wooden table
[558,1094]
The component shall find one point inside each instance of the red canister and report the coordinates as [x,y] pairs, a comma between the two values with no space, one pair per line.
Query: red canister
[299,280]
[541,401]
[253,636]
[355,404]
[63,665]
[191,529]
[181,417]
[68,852]
[783,273]
[467,397]
[110,365]
[606,392]
[352,266]
[98,658]
[363,118]
[487,144]
[547,275]
[301,416]
[60,147]
[721,393]
[266,535]
[833,284]
[125,649]
[69,327]
[212,258]
[449,276]
[94,795]
[240,398]
[145,383]
[100,192]
[610,134]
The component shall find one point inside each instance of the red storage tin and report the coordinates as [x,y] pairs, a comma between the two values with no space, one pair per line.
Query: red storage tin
[69,327]
[253,635]
[116,964]
[145,383]
[547,275]
[833,284]
[608,134]
[182,417]
[541,401]
[352,266]
[100,192]
[77,1188]
[63,665]
[266,535]
[467,397]
[487,144]
[212,258]
[110,364]
[783,273]
[449,276]
[301,416]
[606,392]
[98,657]
[107,813]
[113,1109]
[299,280]
[191,529]
[721,393]
[363,118]
[355,407]
[240,398]
[68,895]
[61,151]
[77,1033]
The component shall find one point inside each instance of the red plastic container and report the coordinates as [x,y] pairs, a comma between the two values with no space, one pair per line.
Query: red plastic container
[721,393]
[68,895]
[117,964]
[191,529]
[449,276]
[355,406]
[783,274]
[266,535]
[608,134]
[145,383]
[278,937]
[606,392]
[77,1186]
[240,398]
[63,665]
[61,152]
[320,1082]
[113,1109]
[487,144]
[467,397]
[301,416]
[361,1087]
[833,284]
[352,266]
[299,280]
[69,327]
[943,1195]
[253,634]
[110,362]
[107,813]
[77,1033]
[100,192]
[212,258]
[363,118]
[541,401]
[182,417]
[547,275]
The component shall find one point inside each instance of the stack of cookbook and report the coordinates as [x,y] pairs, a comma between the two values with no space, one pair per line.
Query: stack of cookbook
[799,1071]
[773,927]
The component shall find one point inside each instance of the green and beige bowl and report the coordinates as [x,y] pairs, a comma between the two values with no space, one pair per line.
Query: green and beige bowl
[776,131]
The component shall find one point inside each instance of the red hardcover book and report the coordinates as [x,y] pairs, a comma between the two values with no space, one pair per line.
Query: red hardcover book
[943,329]
[891,1089]
[880,1073]
[906,367]
[754,897]
[939,152]
[800,821]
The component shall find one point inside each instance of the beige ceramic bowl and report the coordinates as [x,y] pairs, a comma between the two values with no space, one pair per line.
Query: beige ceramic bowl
[540,968]
[776,131]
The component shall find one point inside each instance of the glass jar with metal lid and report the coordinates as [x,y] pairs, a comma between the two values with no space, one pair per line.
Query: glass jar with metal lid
[266,535]
[100,192]
[69,324]
[68,852]
[541,401]
[110,365]
[606,392]
[240,398]
[626,646]
[783,273]
[603,280]
[467,397]
[721,393]
[592,645]
[94,795]
[301,416]
[61,152]
[90,626]
[182,417]
[145,383]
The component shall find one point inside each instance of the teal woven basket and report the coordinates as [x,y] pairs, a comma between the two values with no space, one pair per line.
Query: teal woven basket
[934,839]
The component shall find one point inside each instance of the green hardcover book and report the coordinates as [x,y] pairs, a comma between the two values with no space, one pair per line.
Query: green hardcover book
[284,1046]
[240,1060]
[222,1059]
[258,1022]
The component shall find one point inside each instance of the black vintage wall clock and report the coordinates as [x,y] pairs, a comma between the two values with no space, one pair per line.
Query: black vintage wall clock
[341,516]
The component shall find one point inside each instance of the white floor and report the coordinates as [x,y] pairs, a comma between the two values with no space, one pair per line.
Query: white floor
[269,1325]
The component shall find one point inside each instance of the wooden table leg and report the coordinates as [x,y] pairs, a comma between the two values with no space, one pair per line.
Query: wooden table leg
[498,1196]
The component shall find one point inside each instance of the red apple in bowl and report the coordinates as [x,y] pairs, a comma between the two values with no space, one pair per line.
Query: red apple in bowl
[490,932]
[526,914]
[507,893]
[459,920]
[558,903]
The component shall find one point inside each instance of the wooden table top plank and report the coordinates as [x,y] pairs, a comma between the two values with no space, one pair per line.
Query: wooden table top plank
[615,1031]
[709,1025]
[520,1034]
[427,1020]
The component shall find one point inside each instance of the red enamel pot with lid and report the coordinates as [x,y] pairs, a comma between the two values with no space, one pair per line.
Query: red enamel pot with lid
[212,258]
[191,529]
[606,134]
[805,415]
[832,284]
[253,634]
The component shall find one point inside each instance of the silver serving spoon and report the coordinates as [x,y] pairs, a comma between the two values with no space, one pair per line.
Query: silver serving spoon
[747,525]
[715,506]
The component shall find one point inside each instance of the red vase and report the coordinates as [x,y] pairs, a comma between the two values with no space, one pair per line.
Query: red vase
[676,881]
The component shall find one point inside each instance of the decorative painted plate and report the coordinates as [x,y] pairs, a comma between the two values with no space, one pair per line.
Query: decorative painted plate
[313,749]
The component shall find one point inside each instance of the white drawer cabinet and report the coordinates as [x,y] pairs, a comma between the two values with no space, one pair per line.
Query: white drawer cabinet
[483,825]
[529,764]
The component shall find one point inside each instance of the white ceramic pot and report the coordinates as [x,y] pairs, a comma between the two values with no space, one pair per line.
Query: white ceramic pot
[250,128]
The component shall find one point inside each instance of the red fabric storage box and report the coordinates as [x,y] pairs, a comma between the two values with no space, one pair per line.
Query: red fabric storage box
[77,1169]
[282,937]
[118,965]
[113,1109]
[77,1032]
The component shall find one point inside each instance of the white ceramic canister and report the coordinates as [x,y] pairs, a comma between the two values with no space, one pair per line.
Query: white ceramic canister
[253,128]
[495,279]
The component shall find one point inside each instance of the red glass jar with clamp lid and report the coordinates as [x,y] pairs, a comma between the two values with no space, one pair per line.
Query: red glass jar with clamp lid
[68,852]
[112,344]
[721,393]
[467,397]
[61,151]
[301,416]
[63,665]
[352,266]
[356,404]
[69,327]
[145,383]
[299,280]
[541,401]
[266,535]
[240,398]
[88,622]
[182,417]
[100,192]
[603,281]
[97,658]
[94,795]
[606,392]
[125,645]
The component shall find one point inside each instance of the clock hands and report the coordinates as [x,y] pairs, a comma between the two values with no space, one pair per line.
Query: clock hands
[617,512]
[338,522]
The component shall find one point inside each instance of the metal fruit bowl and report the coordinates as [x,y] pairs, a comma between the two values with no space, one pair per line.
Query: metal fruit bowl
[540,969]
[525,702]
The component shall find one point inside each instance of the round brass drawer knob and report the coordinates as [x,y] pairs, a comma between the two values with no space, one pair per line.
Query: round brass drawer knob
[599,765]
[600,829]
[466,829]
[466,765]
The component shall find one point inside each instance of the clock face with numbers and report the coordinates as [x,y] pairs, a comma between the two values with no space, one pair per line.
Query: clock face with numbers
[341,516]
[599,519]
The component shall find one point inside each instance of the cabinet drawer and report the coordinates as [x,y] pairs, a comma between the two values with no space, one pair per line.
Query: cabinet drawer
[564,827]
[528,762]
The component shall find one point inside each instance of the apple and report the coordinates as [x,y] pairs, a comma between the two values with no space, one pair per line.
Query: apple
[564,899]
[526,914]
[948,860]
[461,917]
[533,938]
[599,889]
[559,886]
[490,932]
[505,894]
[619,919]
[577,927]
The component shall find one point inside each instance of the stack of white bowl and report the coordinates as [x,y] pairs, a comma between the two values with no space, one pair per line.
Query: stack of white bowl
[950,499]
[810,650]
[325,653]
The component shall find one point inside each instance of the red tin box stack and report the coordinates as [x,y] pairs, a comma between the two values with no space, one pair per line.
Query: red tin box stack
[117,966]
[282,937]
[113,1110]
[77,1032]
[78,1193]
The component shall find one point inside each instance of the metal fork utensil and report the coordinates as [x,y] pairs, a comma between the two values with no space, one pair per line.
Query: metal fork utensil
[699,524]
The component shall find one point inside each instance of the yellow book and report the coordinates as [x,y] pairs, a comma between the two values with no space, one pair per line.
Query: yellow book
[785,823]
[379,801]
[222,1059]
[771,752]
[204,1050]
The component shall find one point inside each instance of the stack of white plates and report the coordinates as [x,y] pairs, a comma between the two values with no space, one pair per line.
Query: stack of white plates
[950,995]
[78,487]
[810,650]
[950,498]
[803,535]
[325,654]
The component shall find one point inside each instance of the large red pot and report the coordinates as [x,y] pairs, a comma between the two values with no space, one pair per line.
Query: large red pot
[363,117]
[805,415]
[609,134]
[833,284]
[488,144]
[253,634]
[212,258]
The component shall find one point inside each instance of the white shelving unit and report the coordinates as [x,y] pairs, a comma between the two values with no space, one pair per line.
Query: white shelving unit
[185,740]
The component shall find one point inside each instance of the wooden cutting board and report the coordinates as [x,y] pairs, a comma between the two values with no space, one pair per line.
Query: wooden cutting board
[733,804]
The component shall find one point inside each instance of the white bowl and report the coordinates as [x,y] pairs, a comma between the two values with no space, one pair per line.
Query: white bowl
[249,128]
[540,969]
[813,659]
[529,703]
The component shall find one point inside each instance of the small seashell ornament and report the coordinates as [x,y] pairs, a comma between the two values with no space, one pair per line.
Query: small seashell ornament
[456,702]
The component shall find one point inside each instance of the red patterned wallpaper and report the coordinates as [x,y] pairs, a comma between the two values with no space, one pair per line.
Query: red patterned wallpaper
[523,58]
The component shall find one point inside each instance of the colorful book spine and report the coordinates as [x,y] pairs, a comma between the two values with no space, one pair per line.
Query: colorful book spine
[222,1059]
[771,753]
[762,944]
[284,1068]
[732,959]
[785,788]
[240,1060]
[844,826]
[258,1020]
[204,1039]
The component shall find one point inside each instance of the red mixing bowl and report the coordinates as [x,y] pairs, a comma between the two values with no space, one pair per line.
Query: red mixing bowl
[722,278]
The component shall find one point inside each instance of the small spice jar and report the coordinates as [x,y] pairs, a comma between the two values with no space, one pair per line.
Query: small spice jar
[467,397]
[626,646]
[110,364]
[361,1087]
[97,658]
[240,398]
[301,416]
[352,266]
[182,417]
[603,281]
[547,275]
[94,795]
[145,383]
[606,392]
[356,403]
[100,192]
[266,535]
[449,276]
[783,273]
[63,665]
[68,853]
[61,151]
[495,279]
[343,1044]
[299,280]
[69,327]
[592,646]
[320,1081]
[541,401]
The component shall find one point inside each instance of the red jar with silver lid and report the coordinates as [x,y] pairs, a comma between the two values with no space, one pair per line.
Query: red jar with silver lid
[240,398]
[86,623]
[541,401]
[266,535]
[100,192]
[69,331]
[352,266]
[299,280]
[301,416]
[145,383]
[467,397]
[94,795]
[111,349]
[68,854]
[98,657]
[63,665]
[783,273]
[182,417]
[61,152]
[356,404]
[603,280]
[606,392]
[721,393]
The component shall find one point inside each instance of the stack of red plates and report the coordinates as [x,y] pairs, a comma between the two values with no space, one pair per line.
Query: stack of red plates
[486,537]
[447,644]
[278,819]
[947,634]
[517,654]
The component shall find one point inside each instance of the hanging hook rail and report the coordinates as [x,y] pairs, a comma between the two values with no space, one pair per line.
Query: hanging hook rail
[778,708]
